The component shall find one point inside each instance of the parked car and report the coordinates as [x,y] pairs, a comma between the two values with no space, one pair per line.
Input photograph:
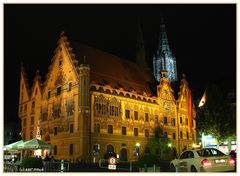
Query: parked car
[203,160]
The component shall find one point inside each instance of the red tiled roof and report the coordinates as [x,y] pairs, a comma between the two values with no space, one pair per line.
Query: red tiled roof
[113,70]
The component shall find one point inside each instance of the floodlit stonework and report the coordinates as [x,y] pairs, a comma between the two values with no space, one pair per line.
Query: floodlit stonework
[92,102]
[164,58]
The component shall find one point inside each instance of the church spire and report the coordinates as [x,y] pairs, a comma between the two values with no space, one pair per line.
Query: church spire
[163,45]
[140,50]
[164,59]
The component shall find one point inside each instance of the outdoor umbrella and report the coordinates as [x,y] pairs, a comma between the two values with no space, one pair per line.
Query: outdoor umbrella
[35,144]
[15,146]
[19,145]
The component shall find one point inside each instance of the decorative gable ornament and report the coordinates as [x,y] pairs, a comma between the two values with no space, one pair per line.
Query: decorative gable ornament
[60,80]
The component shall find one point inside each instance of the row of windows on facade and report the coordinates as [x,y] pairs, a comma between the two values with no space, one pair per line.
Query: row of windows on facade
[55,130]
[56,111]
[70,112]
[69,107]
[96,150]
[59,90]
[25,107]
[97,126]
[102,109]
[165,121]
[71,130]
[136,149]
[56,114]
[135,132]
[124,131]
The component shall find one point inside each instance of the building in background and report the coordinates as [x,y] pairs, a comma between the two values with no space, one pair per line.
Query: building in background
[93,103]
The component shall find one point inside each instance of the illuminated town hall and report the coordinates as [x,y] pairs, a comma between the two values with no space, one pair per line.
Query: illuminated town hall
[93,103]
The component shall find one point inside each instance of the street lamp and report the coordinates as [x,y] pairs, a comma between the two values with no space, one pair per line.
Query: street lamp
[138,144]
[169,145]
[136,149]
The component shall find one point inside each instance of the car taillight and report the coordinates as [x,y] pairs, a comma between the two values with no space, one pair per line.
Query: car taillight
[206,162]
[231,161]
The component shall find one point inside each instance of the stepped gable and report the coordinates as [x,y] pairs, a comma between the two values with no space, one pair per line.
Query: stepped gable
[108,69]
[36,79]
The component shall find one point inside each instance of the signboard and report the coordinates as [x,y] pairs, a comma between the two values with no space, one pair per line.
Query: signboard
[112,167]
[112,160]
[112,163]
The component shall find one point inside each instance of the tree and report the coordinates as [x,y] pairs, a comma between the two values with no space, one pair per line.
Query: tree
[218,116]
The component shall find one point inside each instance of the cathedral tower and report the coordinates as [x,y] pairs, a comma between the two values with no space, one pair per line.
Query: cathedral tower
[164,59]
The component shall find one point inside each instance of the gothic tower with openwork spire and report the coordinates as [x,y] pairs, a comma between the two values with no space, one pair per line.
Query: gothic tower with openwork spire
[164,59]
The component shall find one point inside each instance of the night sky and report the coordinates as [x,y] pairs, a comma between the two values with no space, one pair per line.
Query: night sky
[202,37]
